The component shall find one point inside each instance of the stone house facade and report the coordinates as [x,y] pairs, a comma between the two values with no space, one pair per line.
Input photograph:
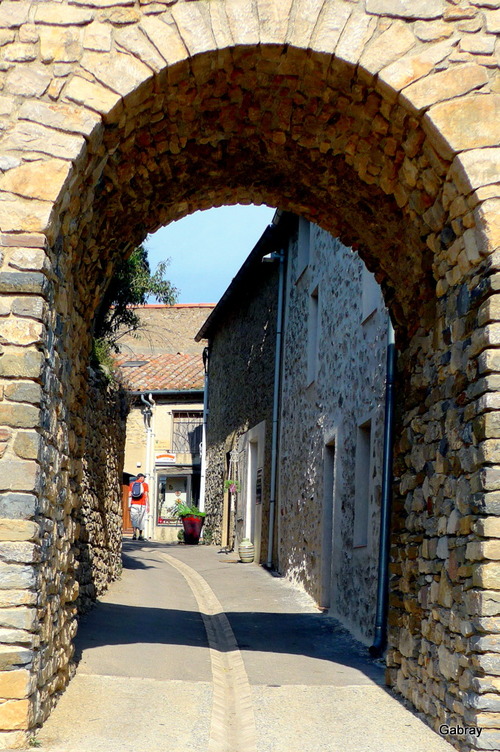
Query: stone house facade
[241,335]
[330,416]
[162,369]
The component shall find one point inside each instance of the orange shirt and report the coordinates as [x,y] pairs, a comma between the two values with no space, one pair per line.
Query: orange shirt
[145,490]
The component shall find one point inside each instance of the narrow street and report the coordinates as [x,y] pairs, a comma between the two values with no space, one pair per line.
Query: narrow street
[192,651]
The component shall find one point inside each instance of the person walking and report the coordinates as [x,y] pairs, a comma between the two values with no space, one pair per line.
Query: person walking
[138,503]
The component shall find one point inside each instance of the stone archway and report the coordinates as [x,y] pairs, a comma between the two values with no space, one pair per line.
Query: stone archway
[381,125]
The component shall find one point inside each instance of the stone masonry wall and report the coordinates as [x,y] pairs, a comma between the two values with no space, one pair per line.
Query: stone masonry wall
[240,391]
[99,518]
[349,389]
[376,119]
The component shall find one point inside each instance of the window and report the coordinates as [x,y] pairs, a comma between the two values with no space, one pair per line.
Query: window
[313,336]
[370,294]
[304,244]
[187,432]
[362,485]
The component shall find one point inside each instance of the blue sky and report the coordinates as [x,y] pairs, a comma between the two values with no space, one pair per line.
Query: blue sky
[207,249]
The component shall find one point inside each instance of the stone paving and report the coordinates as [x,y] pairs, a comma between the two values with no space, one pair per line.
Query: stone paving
[192,650]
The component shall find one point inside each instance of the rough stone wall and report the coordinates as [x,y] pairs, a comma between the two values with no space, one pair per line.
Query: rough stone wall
[99,518]
[240,392]
[349,389]
[376,119]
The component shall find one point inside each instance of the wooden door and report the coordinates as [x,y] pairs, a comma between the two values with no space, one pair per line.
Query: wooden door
[126,524]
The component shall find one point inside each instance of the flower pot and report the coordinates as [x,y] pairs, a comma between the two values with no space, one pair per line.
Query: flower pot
[246,551]
[192,528]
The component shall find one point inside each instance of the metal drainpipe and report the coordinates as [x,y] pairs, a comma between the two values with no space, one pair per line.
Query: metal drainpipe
[203,469]
[150,403]
[277,379]
[380,637]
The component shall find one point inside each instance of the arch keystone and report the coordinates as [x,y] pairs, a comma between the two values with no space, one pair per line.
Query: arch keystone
[243,21]
[273,20]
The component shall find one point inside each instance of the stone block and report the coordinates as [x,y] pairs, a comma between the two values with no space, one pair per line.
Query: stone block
[27,445]
[16,684]
[15,283]
[432,31]
[95,96]
[133,40]
[19,476]
[18,530]
[470,122]
[24,391]
[21,363]
[50,13]
[19,415]
[17,52]
[26,82]
[388,47]
[10,598]
[358,31]
[18,618]
[18,505]
[15,714]
[42,180]
[28,259]
[493,21]
[411,67]
[14,655]
[418,9]
[119,72]
[476,168]
[18,212]
[196,33]
[444,85]
[31,307]
[13,14]
[19,552]
[273,22]
[487,218]
[23,239]
[486,576]
[16,576]
[21,332]
[60,45]
[166,38]
[97,37]
[29,136]
[478,43]
[243,21]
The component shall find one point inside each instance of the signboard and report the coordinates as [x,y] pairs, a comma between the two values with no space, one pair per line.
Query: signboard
[258,486]
[165,458]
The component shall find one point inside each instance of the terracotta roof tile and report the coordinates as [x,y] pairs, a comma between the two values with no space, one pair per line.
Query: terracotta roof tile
[168,371]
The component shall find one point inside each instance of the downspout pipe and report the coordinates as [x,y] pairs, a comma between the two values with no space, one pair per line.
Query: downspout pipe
[148,416]
[203,468]
[380,637]
[276,395]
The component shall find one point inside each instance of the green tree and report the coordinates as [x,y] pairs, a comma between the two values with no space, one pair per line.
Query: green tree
[130,286]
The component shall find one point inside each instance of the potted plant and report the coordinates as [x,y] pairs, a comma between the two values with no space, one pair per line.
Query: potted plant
[192,522]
